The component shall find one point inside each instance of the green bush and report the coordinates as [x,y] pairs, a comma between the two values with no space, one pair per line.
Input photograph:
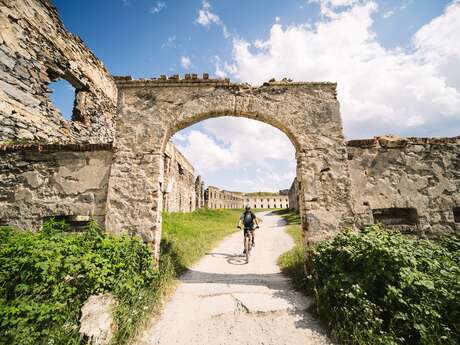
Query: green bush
[382,287]
[45,278]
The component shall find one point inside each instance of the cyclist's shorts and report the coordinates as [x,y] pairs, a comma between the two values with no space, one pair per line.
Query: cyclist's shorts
[248,232]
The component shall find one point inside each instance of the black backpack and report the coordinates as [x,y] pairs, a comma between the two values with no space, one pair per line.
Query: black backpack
[248,220]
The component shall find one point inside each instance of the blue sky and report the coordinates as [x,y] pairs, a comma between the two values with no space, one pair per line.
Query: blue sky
[397,64]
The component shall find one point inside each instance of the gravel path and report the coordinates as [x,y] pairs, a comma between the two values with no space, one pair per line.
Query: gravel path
[224,301]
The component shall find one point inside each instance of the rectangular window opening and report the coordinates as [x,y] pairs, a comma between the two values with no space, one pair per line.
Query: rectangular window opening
[456,211]
[76,223]
[395,216]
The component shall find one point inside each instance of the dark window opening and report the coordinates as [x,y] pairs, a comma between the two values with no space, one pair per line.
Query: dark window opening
[3,222]
[456,214]
[76,223]
[395,216]
[180,169]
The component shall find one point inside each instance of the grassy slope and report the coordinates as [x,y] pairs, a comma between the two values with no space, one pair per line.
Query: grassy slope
[292,262]
[192,235]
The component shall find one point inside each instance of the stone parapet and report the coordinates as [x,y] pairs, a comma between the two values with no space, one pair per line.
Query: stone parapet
[193,80]
[390,141]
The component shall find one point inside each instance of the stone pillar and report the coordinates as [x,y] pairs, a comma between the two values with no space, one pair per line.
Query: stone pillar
[134,200]
[324,195]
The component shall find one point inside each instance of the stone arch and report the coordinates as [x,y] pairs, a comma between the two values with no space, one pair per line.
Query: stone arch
[261,117]
[151,111]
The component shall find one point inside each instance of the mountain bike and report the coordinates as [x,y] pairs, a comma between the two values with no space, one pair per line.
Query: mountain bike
[248,241]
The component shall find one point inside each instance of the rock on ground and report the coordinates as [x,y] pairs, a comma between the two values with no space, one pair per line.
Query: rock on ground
[224,301]
[97,321]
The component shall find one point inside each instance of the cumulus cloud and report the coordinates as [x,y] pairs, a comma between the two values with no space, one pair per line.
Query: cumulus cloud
[251,142]
[205,153]
[239,154]
[157,7]
[412,91]
[186,62]
[206,18]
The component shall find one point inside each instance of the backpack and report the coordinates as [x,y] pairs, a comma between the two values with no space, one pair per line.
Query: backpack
[248,220]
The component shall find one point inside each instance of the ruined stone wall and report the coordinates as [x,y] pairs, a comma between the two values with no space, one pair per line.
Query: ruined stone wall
[412,184]
[35,49]
[267,201]
[179,190]
[217,198]
[39,181]
[293,195]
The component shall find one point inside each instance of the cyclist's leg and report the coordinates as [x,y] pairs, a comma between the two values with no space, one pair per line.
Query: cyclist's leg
[247,248]
[245,237]
[253,239]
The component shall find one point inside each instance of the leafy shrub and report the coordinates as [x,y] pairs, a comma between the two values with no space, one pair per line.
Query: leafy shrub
[382,287]
[45,278]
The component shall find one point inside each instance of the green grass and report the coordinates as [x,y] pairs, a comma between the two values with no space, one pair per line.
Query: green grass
[192,235]
[291,263]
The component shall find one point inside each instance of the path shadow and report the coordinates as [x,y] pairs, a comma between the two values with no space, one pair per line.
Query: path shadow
[275,281]
[233,259]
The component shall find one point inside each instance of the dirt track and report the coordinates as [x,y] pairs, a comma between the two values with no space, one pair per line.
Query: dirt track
[224,301]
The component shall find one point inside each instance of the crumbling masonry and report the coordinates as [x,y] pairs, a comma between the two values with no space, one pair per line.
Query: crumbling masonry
[111,161]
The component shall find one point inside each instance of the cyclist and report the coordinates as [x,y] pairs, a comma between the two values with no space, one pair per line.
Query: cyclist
[248,219]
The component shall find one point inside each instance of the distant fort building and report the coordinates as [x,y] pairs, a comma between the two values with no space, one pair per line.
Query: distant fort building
[267,200]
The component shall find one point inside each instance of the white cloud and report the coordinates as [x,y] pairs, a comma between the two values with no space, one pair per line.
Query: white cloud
[329,6]
[171,42]
[389,13]
[248,140]
[185,62]
[158,7]
[205,153]
[239,154]
[400,8]
[381,90]
[206,17]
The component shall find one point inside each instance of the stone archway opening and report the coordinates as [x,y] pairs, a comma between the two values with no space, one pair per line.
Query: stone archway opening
[151,111]
[228,162]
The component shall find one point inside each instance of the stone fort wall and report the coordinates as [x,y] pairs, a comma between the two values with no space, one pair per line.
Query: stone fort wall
[267,201]
[216,198]
[70,181]
[411,184]
[180,192]
[41,181]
